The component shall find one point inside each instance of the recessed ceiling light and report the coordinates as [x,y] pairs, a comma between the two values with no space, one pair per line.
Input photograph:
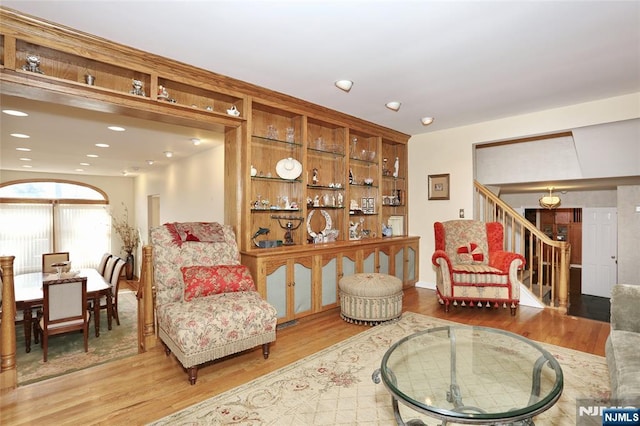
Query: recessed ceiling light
[168,154]
[125,173]
[27,166]
[116,128]
[195,141]
[85,164]
[92,155]
[20,135]
[102,145]
[79,170]
[393,105]
[25,159]
[15,113]
[23,149]
[426,120]
[345,85]
[150,162]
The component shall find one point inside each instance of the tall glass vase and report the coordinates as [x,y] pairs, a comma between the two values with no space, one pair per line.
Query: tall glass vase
[129,267]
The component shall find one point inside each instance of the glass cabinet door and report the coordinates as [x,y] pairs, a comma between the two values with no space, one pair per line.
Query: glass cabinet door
[277,290]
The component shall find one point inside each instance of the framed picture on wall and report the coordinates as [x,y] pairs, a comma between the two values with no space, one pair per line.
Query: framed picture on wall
[439,187]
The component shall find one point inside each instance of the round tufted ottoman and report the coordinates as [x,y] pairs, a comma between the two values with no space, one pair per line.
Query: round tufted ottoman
[370,298]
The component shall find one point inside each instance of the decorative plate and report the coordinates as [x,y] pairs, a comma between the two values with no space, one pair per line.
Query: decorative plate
[289,168]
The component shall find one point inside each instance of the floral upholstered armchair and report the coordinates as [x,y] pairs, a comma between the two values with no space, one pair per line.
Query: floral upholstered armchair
[471,266]
[206,302]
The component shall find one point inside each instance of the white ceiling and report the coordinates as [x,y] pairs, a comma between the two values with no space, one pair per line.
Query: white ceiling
[460,62]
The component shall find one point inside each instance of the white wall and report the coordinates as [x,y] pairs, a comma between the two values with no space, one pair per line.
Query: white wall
[628,242]
[451,151]
[190,190]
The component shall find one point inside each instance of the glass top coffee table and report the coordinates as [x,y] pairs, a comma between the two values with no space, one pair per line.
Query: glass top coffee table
[470,375]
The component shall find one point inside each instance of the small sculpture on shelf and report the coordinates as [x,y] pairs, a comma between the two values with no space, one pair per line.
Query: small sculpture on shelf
[137,89]
[385,168]
[162,92]
[396,167]
[289,226]
[33,64]
[233,111]
[314,179]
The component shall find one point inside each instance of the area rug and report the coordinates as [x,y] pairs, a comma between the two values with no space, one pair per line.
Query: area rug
[334,386]
[66,352]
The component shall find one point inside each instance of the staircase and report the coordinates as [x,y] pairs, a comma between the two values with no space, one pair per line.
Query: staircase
[546,274]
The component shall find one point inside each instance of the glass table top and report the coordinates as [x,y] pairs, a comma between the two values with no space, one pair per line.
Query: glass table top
[471,374]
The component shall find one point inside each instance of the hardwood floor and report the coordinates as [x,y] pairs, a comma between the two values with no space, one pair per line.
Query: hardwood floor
[148,386]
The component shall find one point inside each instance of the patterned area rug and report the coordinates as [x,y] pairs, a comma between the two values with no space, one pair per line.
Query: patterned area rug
[334,386]
[66,351]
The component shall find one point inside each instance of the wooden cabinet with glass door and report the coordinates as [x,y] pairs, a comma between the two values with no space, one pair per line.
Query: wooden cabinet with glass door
[276,194]
[326,182]
[364,184]
[394,187]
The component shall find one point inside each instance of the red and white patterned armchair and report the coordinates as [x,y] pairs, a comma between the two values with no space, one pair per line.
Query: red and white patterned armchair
[206,302]
[471,266]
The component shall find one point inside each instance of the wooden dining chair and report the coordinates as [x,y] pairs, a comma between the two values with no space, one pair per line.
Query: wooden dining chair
[49,258]
[103,263]
[116,266]
[64,310]
[109,267]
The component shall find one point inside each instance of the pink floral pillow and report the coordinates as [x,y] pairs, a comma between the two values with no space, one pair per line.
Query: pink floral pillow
[205,232]
[201,281]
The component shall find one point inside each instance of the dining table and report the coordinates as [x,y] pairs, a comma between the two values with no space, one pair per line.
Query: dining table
[29,295]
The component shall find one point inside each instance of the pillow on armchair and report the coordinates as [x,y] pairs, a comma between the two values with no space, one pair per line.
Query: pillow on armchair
[201,281]
[470,253]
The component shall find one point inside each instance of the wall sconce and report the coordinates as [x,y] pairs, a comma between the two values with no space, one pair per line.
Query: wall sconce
[550,201]
[393,105]
[345,85]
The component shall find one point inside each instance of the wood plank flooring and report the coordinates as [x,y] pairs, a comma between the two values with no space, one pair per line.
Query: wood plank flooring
[148,386]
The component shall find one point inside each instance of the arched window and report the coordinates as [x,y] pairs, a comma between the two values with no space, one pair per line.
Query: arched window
[43,216]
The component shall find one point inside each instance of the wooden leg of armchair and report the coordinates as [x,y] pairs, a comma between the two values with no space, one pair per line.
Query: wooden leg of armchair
[513,310]
[265,350]
[193,374]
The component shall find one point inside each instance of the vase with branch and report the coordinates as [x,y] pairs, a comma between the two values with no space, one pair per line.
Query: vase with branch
[130,238]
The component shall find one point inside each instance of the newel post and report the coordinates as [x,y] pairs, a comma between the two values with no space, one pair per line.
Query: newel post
[8,371]
[146,320]
[563,279]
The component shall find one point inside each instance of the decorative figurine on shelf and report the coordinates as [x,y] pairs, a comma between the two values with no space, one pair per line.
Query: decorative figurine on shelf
[162,93]
[260,231]
[396,167]
[350,176]
[316,201]
[33,64]
[137,88]
[315,176]
[340,199]
[233,111]
[289,227]
[385,168]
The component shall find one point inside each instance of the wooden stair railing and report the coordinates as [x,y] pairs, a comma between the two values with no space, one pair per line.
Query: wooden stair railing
[546,273]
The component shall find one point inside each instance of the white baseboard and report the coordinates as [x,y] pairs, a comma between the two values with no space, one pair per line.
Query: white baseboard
[424,284]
